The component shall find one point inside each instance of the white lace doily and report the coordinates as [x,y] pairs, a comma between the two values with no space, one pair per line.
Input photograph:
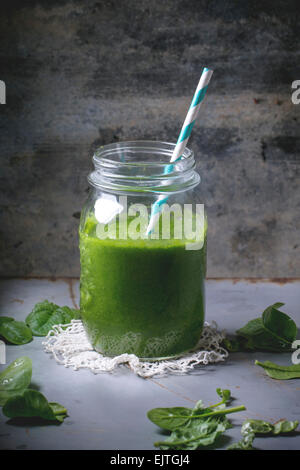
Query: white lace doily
[71,347]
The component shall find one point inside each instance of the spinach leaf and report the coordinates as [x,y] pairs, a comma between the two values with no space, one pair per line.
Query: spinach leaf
[244,444]
[192,428]
[170,418]
[201,433]
[233,343]
[253,336]
[32,404]
[15,378]
[284,427]
[59,411]
[280,325]
[15,332]
[274,331]
[225,395]
[199,406]
[174,418]
[4,319]
[278,372]
[256,427]
[251,329]
[46,314]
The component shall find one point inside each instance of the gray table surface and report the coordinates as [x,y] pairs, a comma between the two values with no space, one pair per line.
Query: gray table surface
[108,411]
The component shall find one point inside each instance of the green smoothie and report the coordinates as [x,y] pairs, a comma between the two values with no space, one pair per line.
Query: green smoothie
[144,297]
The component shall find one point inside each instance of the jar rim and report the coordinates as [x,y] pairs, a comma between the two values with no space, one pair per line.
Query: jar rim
[101,153]
[143,166]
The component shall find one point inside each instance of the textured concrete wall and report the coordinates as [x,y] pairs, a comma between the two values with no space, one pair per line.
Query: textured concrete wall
[82,73]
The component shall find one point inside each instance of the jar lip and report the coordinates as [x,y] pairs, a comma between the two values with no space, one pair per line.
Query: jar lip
[101,154]
[132,166]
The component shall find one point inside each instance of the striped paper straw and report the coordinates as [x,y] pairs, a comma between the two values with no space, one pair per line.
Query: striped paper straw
[182,140]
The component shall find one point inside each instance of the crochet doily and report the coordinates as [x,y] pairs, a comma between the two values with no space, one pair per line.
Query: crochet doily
[70,346]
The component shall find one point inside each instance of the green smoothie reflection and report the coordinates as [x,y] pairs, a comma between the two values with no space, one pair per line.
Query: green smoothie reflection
[144,297]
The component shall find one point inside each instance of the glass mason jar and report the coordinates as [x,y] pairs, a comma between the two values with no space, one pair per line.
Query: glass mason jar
[142,252]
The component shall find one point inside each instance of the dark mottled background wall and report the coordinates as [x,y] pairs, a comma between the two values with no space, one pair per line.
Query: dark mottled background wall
[82,73]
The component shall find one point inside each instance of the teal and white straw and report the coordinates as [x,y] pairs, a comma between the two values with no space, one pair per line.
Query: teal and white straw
[182,140]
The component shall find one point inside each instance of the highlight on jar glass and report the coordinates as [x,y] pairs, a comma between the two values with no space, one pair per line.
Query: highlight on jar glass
[143,247]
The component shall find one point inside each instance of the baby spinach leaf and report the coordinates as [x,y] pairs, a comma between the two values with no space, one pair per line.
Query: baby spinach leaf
[283,426]
[280,325]
[256,337]
[233,344]
[59,411]
[5,319]
[199,406]
[174,418]
[170,418]
[15,378]
[244,444]
[225,395]
[46,314]
[275,371]
[255,427]
[252,328]
[15,332]
[201,433]
[192,428]
[274,331]
[258,427]
[32,404]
